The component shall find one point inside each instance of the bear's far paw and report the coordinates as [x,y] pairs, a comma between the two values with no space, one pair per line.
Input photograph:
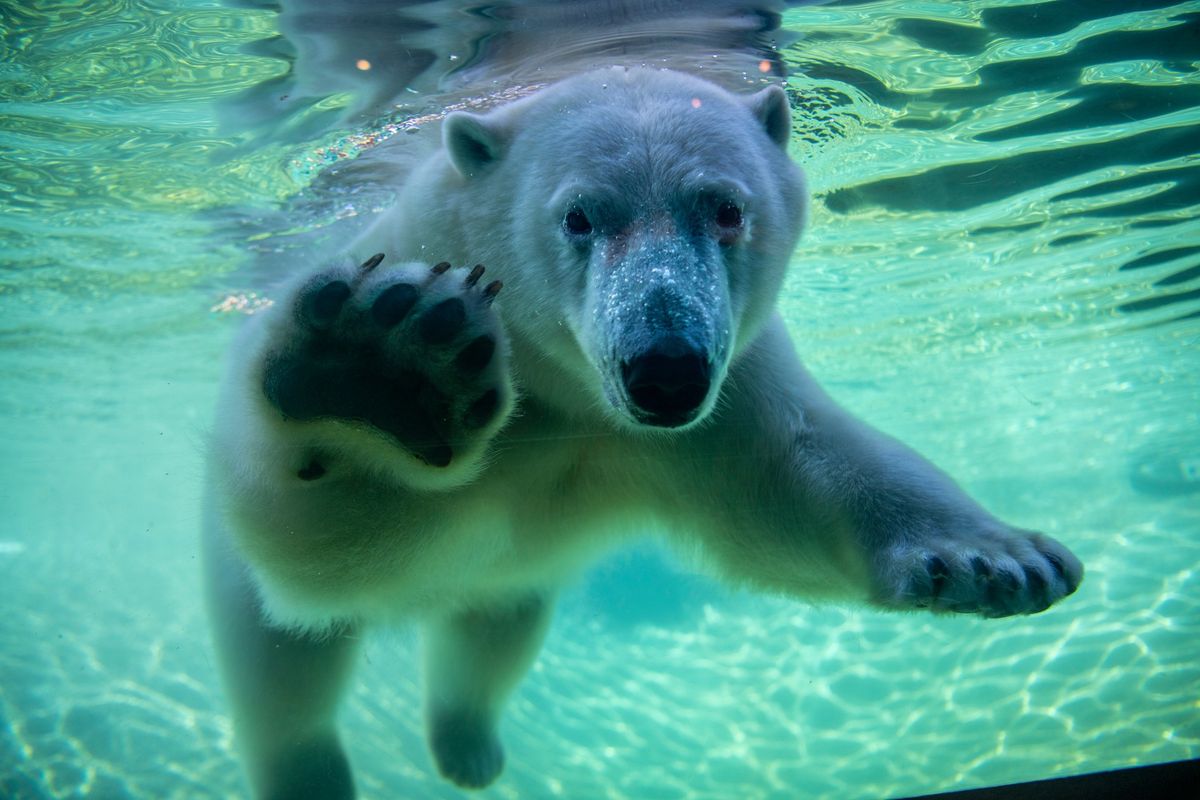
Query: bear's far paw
[998,574]
[413,351]
[466,749]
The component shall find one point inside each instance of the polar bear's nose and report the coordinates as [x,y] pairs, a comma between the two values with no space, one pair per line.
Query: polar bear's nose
[668,383]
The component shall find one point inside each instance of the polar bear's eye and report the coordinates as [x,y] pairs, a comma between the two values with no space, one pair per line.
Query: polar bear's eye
[576,223]
[729,216]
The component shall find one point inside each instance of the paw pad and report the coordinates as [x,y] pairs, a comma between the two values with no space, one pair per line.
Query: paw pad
[442,323]
[480,412]
[402,349]
[394,303]
[476,355]
[322,306]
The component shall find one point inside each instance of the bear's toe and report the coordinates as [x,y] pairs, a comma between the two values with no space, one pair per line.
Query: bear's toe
[394,303]
[321,306]
[1021,574]
[476,355]
[442,322]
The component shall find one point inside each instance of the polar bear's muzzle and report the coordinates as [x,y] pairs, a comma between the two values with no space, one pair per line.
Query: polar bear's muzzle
[668,383]
[660,318]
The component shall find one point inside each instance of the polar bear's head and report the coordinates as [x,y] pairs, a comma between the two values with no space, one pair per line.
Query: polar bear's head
[643,221]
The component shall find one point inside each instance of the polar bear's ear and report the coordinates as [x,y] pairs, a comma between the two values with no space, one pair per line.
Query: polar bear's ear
[472,141]
[771,108]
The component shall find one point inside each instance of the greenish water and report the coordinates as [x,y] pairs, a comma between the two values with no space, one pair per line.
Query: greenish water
[1002,268]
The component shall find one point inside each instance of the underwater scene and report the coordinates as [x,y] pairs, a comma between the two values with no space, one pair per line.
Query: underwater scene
[1000,267]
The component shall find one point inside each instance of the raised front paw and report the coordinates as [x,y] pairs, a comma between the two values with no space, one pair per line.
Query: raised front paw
[995,572]
[415,352]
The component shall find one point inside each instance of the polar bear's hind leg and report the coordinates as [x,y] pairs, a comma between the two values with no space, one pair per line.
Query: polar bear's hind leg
[473,660]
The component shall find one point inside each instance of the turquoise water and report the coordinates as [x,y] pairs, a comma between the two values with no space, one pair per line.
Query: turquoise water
[1002,268]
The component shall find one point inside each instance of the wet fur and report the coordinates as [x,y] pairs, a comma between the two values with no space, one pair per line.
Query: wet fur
[772,482]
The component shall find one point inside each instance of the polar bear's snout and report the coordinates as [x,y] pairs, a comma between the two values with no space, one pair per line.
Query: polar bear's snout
[668,383]
[661,325]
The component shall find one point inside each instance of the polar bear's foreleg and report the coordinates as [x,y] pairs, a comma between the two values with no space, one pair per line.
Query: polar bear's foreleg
[362,382]
[836,506]
[473,659]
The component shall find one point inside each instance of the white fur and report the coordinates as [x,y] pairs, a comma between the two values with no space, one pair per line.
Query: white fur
[778,487]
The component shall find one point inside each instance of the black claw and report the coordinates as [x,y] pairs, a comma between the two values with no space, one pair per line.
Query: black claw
[440,267]
[394,304]
[476,355]
[482,410]
[939,573]
[441,323]
[983,570]
[473,278]
[322,306]
[1035,579]
[1008,581]
[1037,590]
[491,290]
[372,262]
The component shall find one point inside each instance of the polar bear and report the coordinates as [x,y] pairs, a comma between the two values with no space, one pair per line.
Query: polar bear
[401,438]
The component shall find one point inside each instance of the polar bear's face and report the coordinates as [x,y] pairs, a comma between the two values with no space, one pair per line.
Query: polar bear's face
[646,212]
